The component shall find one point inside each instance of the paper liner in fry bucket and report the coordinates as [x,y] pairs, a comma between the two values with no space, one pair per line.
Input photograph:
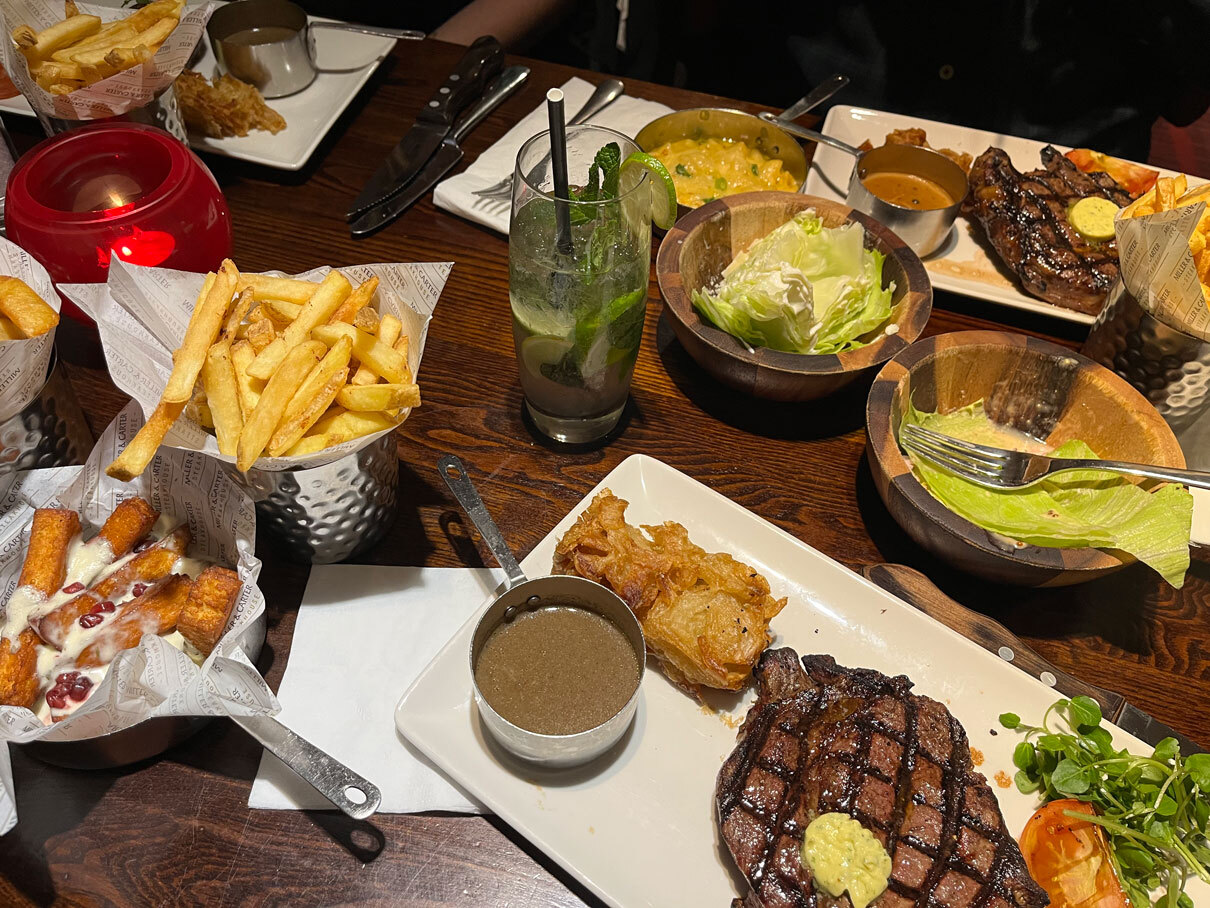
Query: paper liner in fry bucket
[24,364]
[1159,271]
[321,515]
[154,679]
[117,95]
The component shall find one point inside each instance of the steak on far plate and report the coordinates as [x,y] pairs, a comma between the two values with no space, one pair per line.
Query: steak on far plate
[1025,218]
[822,738]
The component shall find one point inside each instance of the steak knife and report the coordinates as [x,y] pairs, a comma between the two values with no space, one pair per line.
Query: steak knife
[445,157]
[915,589]
[482,62]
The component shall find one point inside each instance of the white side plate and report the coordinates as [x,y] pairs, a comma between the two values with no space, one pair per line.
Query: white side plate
[346,61]
[638,827]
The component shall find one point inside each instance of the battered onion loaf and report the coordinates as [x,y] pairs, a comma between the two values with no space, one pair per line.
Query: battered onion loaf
[822,738]
[705,615]
[228,107]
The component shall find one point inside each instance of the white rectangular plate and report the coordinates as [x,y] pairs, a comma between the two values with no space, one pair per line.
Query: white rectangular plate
[966,264]
[637,827]
[345,61]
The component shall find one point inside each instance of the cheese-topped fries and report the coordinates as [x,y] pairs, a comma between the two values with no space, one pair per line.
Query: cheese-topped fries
[79,603]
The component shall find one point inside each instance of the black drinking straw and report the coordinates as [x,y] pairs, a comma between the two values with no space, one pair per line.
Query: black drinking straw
[558,164]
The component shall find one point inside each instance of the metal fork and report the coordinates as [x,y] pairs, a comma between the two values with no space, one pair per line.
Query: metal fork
[607,92]
[997,468]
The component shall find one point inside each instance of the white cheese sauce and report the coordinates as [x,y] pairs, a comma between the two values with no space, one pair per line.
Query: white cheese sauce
[88,563]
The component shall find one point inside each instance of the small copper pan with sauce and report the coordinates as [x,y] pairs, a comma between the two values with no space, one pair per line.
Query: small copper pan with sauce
[556,662]
[914,191]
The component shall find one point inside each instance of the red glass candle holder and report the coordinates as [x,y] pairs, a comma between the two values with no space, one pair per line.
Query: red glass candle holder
[81,197]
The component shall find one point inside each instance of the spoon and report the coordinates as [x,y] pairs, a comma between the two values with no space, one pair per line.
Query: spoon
[813,98]
[803,133]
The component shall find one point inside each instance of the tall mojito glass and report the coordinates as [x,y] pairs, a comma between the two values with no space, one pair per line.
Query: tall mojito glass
[578,306]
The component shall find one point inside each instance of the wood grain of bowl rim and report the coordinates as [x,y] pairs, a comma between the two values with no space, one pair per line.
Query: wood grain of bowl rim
[892,473]
[914,307]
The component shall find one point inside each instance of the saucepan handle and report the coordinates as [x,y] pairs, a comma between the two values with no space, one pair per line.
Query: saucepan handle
[454,474]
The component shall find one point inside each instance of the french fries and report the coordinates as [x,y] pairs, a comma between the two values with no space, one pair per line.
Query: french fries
[279,391]
[378,397]
[9,331]
[22,308]
[330,293]
[282,367]
[80,49]
[1168,194]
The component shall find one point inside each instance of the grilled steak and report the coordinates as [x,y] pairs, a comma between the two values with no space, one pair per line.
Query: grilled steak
[857,742]
[1025,217]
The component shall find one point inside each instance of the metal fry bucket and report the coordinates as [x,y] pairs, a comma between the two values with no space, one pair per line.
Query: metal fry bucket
[1167,366]
[329,513]
[50,432]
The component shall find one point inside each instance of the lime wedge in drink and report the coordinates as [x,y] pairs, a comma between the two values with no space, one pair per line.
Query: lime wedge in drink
[544,351]
[537,320]
[663,190]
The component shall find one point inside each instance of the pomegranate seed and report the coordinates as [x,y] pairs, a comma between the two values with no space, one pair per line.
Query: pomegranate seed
[139,589]
[55,700]
[96,609]
[66,678]
[90,620]
[73,587]
[106,606]
[79,689]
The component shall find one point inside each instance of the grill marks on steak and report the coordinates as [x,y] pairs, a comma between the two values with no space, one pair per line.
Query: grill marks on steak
[857,742]
[1025,217]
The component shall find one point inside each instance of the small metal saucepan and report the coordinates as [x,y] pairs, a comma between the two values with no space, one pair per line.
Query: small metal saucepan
[268,43]
[520,595]
[924,229]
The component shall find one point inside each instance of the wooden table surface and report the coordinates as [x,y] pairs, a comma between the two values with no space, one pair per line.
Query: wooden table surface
[177,829]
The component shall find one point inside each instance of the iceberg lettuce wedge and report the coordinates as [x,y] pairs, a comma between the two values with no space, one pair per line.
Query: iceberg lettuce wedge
[803,288]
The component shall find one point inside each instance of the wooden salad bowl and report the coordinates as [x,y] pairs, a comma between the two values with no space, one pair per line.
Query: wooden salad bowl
[1043,389]
[694,253]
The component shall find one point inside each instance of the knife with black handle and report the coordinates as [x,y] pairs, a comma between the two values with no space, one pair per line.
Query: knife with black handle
[917,590]
[445,157]
[482,62]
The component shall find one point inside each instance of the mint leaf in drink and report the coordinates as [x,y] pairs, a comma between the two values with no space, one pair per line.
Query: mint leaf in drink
[602,176]
[609,160]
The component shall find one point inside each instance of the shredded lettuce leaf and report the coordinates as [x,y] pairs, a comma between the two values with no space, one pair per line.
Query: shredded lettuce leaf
[804,288]
[1069,510]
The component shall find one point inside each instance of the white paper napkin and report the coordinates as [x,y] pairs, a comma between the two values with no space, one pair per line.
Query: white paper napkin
[627,115]
[363,635]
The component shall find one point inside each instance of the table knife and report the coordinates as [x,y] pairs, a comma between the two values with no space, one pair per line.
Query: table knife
[915,589]
[482,62]
[445,157]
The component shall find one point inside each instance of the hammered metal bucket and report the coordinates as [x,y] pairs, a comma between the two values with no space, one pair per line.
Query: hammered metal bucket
[50,432]
[326,514]
[1170,368]
[162,111]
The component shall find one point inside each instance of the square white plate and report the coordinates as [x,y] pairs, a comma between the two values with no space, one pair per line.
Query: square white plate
[637,827]
[345,61]
[965,264]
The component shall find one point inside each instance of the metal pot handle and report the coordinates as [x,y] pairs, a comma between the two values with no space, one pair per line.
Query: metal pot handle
[352,793]
[455,476]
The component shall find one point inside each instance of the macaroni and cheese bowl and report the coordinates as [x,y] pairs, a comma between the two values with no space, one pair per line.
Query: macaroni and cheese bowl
[713,152]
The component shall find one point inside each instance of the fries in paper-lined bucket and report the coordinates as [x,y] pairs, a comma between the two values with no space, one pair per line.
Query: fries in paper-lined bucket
[261,369]
[84,62]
